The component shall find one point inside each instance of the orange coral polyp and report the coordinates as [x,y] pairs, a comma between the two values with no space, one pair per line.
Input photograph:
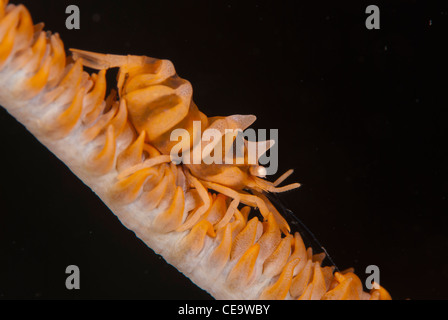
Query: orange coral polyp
[195,216]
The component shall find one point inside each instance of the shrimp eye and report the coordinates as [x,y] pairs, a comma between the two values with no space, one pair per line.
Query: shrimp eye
[258,171]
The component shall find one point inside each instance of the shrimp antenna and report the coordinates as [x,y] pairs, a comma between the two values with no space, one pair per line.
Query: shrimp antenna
[295,222]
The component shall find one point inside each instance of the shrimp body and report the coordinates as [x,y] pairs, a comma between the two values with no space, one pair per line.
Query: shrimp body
[197,216]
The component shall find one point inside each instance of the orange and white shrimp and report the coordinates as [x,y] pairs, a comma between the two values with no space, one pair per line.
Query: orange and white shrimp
[197,216]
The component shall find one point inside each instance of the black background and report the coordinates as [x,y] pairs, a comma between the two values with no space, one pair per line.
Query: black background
[361,118]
